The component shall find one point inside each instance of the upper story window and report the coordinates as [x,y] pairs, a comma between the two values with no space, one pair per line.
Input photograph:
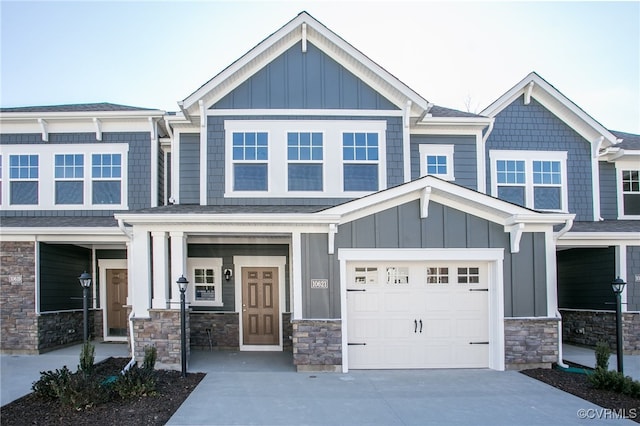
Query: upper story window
[69,178]
[360,154]
[436,160]
[310,158]
[250,161]
[23,179]
[631,192]
[534,179]
[106,174]
[64,177]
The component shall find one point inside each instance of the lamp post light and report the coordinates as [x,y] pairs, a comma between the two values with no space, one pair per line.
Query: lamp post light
[618,286]
[85,282]
[182,285]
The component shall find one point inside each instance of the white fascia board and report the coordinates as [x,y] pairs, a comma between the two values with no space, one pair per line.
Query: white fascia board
[561,106]
[448,129]
[86,235]
[479,122]
[305,112]
[598,238]
[77,124]
[622,154]
[283,39]
[72,115]
[250,219]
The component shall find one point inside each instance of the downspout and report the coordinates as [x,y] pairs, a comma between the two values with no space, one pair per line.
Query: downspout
[568,224]
[132,362]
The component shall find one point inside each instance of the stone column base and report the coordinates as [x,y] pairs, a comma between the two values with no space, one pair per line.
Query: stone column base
[530,343]
[317,345]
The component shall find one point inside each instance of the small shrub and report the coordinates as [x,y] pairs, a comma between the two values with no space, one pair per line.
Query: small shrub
[136,382]
[50,382]
[81,392]
[602,355]
[87,358]
[614,381]
[150,356]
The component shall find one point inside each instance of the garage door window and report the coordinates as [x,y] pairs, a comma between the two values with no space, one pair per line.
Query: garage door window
[397,275]
[437,275]
[468,275]
[366,276]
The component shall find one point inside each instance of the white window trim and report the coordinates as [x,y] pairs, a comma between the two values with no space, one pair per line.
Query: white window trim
[204,263]
[8,180]
[620,167]
[46,174]
[277,155]
[529,157]
[437,149]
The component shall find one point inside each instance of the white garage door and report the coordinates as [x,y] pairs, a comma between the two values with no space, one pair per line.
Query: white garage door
[417,315]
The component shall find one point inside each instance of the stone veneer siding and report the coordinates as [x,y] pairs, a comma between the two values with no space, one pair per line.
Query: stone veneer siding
[66,328]
[161,330]
[587,328]
[530,343]
[224,328]
[317,345]
[18,319]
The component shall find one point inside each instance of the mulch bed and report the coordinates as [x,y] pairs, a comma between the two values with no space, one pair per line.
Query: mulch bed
[578,385]
[149,410]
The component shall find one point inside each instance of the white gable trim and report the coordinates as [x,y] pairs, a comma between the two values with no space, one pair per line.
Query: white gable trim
[331,44]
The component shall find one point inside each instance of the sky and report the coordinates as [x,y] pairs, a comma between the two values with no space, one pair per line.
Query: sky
[461,55]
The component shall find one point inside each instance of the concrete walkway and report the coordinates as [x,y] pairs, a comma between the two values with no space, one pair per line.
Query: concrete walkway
[587,358]
[262,388]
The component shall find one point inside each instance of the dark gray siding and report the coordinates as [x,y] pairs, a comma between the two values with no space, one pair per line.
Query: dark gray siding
[524,273]
[161,200]
[138,167]
[584,278]
[533,127]
[216,164]
[190,169]
[226,252]
[319,303]
[60,267]
[633,270]
[297,80]
[465,167]
[608,191]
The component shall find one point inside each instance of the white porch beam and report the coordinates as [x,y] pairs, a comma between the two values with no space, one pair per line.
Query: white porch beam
[161,289]
[140,274]
[178,264]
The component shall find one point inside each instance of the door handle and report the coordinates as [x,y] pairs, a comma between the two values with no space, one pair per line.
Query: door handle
[415,326]
[421,326]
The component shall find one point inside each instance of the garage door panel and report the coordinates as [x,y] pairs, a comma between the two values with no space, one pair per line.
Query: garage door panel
[385,320]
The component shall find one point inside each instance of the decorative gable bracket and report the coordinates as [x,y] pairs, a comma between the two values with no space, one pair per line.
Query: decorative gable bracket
[333,230]
[425,196]
[515,232]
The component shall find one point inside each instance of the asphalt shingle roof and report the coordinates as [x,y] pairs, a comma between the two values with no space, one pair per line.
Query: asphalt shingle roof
[58,222]
[607,226]
[629,140]
[438,111]
[91,107]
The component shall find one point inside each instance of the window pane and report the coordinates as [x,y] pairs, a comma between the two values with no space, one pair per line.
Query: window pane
[250,177]
[106,192]
[305,177]
[513,194]
[510,171]
[69,192]
[631,204]
[546,172]
[360,177]
[546,198]
[24,192]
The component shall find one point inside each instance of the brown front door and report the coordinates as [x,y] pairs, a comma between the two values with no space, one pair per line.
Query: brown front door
[116,299]
[260,322]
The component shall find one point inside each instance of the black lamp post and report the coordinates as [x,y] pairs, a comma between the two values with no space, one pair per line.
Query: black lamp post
[85,282]
[182,285]
[618,286]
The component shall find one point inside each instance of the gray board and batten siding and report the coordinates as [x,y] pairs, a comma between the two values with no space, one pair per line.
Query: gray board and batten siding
[633,286]
[608,191]
[533,127]
[465,164]
[138,167]
[584,277]
[60,265]
[524,273]
[226,252]
[297,80]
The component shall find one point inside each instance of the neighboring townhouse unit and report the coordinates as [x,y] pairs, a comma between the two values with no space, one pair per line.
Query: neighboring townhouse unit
[318,205]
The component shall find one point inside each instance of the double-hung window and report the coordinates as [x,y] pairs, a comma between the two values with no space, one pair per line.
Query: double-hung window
[250,161]
[69,178]
[305,161]
[206,275]
[534,179]
[360,155]
[631,192]
[436,160]
[106,174]
[23,179]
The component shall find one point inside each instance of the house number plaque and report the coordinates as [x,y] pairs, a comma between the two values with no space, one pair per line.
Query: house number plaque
[319,283]
[15,279]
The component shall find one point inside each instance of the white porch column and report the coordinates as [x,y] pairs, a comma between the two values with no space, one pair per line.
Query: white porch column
[178,264]
[140,273]
[161,290]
